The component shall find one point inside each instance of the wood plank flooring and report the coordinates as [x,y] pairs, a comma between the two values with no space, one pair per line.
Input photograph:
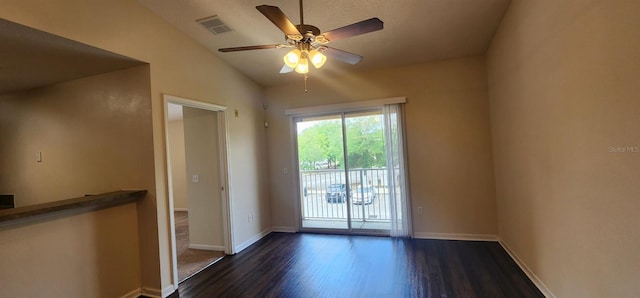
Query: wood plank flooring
[313,265]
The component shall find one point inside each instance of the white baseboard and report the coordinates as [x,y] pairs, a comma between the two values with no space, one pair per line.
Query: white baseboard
[168,290]
[180,209]
[151,292]
[532,276]
[206,247]
[251,240]
[133,294]
[284,229]
[452,236]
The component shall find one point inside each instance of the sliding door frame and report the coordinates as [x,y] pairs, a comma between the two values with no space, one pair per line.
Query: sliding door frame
[341,110]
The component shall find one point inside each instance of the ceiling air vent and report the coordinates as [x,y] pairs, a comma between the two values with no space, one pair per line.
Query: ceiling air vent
[214,24]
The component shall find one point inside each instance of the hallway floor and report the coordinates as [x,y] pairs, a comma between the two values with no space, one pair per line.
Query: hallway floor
[190,261]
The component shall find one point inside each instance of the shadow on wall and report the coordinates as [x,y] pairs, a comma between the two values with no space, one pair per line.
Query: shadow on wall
[83,127]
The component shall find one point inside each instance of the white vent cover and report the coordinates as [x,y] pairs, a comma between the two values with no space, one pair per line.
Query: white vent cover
[214,24]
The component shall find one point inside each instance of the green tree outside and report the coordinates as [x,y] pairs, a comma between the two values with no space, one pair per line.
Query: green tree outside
[320,145]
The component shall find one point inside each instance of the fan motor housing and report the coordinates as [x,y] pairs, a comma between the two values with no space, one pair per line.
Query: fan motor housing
[304,29]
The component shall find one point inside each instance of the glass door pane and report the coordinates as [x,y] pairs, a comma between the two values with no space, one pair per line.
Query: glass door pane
[323,185]
[366,167]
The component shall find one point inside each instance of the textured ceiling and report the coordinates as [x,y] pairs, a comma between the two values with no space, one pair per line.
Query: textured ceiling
[31,58]
[415,31]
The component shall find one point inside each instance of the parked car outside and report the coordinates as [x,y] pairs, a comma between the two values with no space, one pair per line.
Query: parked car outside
[336,193]
[363,195]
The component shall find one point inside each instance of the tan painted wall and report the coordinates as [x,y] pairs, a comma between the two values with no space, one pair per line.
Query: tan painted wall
[63,257]
[95,136]
[178,164]
[249,185]
[564,80]
[180,67]
[448,140]
[202,159]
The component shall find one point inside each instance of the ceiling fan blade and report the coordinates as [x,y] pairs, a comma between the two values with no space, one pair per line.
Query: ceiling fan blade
[286,69]
[362,27]
[344,56]
[278,18]
[247,48]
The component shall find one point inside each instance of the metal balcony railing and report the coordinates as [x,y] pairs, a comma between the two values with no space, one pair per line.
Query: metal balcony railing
[324,195]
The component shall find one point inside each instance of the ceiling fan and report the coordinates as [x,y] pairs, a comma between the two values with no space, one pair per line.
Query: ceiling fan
[308,43]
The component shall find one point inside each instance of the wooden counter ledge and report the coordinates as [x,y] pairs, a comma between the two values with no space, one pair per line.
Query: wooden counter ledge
[81,204]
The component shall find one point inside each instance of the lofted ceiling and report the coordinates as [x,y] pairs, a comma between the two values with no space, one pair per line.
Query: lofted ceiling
[415,31]
[33,58]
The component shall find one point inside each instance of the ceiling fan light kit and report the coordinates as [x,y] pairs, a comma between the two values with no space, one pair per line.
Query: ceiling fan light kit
[299,59]
[317,58]
[292,58]
[308,42]
[303,66]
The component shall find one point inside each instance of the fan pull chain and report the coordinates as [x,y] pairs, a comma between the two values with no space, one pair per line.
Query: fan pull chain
[306,77]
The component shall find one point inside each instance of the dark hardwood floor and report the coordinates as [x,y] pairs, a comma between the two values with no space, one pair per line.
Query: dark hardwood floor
[313,265]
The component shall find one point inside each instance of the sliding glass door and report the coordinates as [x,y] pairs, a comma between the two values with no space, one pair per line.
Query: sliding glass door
[366,161]
[322,177]
[351,179]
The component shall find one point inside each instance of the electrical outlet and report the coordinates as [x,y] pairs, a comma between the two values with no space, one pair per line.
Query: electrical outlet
[252,217]
[420,210]
[195,178]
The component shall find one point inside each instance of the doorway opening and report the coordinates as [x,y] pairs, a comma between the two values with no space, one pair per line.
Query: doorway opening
[352,171]
[197,178]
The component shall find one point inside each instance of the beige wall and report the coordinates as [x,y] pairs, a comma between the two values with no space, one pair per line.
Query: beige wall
[178,164]
[564,84]
[93,133]
[249,184]
[64,257]
[95,136]
[180,67]
[202,158]
[448,141]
